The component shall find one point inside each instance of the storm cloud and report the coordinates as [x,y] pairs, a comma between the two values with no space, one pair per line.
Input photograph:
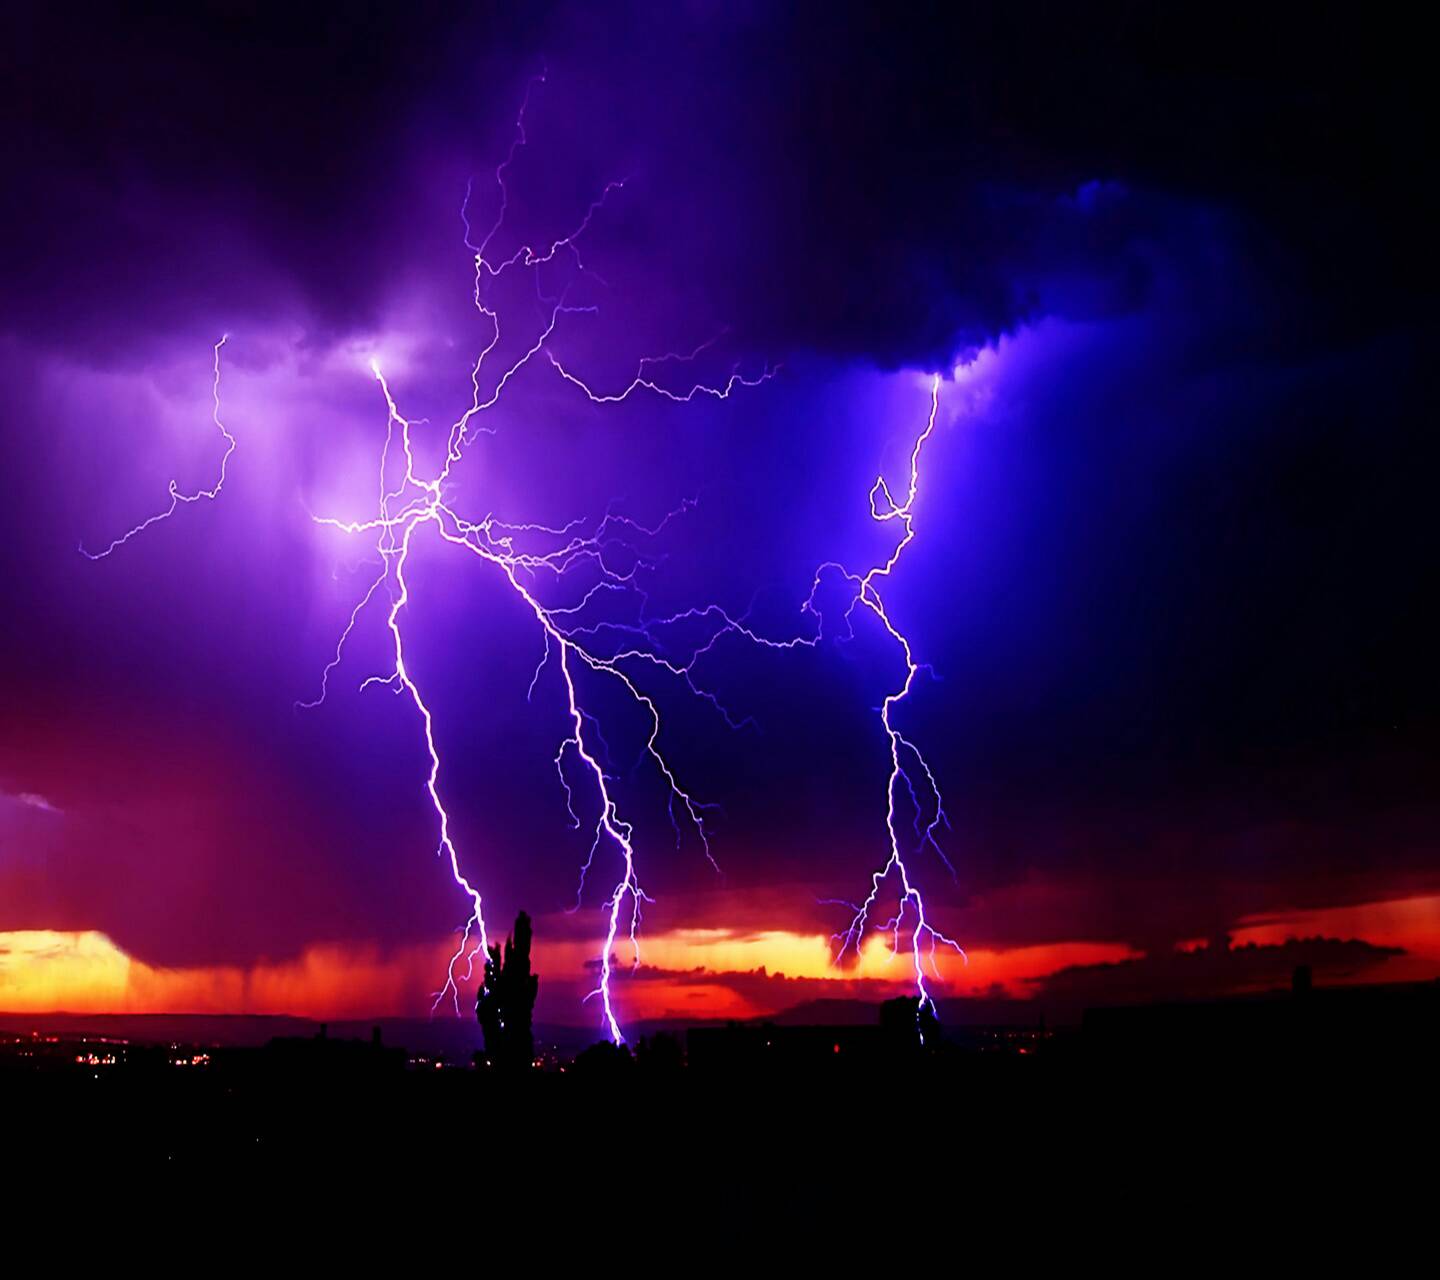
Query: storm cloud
[1173,568]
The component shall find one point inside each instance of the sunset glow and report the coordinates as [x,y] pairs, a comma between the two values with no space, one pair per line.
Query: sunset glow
[686,972]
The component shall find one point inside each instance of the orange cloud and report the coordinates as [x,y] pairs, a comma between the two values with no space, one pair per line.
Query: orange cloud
[725,973]
[44,970]
[85,972]
[805,955]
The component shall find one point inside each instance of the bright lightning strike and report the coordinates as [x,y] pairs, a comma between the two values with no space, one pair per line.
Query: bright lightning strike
[924,936]
[560,573]
[909,771]
[538,564]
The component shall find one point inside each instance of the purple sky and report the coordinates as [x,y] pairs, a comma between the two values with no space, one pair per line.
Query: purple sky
[1172,555]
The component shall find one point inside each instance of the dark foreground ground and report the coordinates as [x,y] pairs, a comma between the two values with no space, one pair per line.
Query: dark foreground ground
[1154,1167]
[1313,1125]
[963,1116]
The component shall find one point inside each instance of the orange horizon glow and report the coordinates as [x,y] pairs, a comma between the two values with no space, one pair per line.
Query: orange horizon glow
[49,971]
[699,973]
[44,971]
[1410,923]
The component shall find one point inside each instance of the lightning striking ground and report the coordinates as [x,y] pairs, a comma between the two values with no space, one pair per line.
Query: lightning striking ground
[538,563]
[910,774]
[561,574]
[923,933]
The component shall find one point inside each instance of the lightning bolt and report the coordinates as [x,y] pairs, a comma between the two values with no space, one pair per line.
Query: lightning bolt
[904,754]
[910,773]
[518,555]
[176,497]
[538,564]
[561,574]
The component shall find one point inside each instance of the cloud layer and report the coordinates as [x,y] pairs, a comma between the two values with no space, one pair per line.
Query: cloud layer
[1174,527]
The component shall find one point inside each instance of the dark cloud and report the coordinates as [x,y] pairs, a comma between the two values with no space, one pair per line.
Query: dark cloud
[828,177]
[1211,971]
[188,162]
[904,188]
[1175,565]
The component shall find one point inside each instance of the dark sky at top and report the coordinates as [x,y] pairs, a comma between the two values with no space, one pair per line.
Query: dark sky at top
[1177,550]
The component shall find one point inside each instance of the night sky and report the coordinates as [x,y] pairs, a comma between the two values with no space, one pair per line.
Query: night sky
[1175,534]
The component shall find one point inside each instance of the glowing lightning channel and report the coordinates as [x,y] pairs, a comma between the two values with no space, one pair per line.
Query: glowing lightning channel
[535,561]
[538,561]
[921,785]
[923,933]
[909,768]
[176,497]
[420,501]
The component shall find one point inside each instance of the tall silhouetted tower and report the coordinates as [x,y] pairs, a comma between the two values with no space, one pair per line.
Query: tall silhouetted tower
[507,1001]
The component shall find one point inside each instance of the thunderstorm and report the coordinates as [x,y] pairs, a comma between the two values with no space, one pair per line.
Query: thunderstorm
[538,562]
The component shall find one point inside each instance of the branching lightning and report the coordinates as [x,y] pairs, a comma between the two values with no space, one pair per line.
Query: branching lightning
[909,770]
[924,936]
[538,563]
[561,575]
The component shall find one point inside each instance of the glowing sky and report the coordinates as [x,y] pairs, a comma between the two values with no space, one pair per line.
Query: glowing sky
[1170,572]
